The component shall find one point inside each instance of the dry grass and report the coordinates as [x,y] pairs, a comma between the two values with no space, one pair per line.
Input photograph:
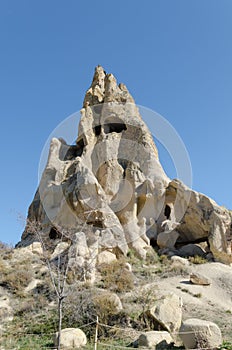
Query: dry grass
[116,277]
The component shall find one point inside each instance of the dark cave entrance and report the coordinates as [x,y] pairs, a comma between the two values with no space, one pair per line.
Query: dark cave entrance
[114,126]
[97,130]
[54,233]
[167,211]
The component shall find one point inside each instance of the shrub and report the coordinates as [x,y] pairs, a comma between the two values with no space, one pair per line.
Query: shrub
[15,277]
[116,277]
[226,345]
[197,259]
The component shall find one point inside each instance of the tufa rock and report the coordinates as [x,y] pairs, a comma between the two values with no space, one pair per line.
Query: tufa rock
[111,188]
[71,338]
[200,334]
[155,340]
[167,312]
[196,278]
[106,257]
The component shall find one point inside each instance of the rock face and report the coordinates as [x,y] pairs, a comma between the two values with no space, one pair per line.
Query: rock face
[199,334]
[110,192]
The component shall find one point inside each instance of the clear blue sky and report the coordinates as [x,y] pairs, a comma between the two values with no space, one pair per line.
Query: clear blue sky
[175,56]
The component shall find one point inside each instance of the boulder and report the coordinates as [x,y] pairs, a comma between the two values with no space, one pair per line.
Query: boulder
[200,334]
[106,257]
[179,260]
[200,219]
[167,312]
[196,278]
[192,250]
[59,249]
[71,338]
[110,301]
[167,239]
[155,340]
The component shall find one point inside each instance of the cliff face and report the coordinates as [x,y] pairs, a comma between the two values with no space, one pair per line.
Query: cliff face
[112,184]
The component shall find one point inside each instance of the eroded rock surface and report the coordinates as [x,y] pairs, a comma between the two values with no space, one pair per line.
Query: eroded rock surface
[110,192]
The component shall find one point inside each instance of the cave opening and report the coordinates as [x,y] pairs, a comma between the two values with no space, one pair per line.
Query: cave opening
[54,233]
[73,152]
[97,130]
[110,127]
[96,223]
[153,242]
[167,211]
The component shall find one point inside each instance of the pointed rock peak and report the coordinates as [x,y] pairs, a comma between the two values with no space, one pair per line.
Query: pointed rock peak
[99,77]
[104,88]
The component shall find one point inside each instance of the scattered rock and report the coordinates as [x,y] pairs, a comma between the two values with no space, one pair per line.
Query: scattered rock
[167,311]
[200,334]
[60,248]
[128,266]
[71,338]
[191,250]
[106,257]
[155,340]
[196,278]
[179,260]
[32,285]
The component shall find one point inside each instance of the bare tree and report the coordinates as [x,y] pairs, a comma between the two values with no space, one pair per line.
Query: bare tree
[58,267]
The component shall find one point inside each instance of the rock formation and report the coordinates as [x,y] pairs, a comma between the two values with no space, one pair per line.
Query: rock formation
[110,192]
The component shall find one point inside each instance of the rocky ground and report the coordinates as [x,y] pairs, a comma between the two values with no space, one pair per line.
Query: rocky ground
[129,287]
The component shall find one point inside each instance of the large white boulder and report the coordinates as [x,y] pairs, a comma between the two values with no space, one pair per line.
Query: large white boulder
[71,338]
[167,311]
[200,334]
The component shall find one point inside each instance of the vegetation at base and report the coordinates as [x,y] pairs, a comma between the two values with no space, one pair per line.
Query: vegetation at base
[226,345]
[116,277]
[197,259]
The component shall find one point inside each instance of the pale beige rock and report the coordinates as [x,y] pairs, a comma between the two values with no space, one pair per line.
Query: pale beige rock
[167,239]
[36,248]
[179,260]
[60,248]
[106,257]
[197,278]
[33,284]
[168,312]
[198,334]
[128,266]
[200,218]
[155,340]
[111,181]
[71,338]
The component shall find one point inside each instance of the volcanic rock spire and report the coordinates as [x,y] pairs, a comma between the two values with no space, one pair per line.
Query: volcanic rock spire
[110,192]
